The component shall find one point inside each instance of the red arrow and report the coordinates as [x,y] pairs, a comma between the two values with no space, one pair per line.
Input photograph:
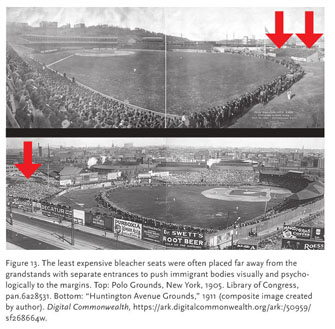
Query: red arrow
[27,167]
[309,37]
[279,38]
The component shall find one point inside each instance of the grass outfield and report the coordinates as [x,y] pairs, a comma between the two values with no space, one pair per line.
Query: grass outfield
[51,57]
[177,204]
[80,199]
[115,76]
[195,81]
[304,110]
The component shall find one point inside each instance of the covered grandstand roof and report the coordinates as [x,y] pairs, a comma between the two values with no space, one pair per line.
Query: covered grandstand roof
[113,167]
[69,171]
[67,37]
[121,166]
[313,190]
[152,39]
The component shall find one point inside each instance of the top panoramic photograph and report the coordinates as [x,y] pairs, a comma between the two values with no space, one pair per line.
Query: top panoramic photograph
[165,67]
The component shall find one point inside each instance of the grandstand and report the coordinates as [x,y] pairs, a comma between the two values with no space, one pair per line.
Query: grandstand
[155,43]
[218,176]
[185,184]
[39,97]
[294,181]
[181,164]
[43,42]
[49,100]
[304,187]
[301,54]
[312,191]
[68,175]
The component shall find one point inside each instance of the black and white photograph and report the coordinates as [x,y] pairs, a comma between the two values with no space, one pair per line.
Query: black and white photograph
[153,141]
[128,67]
[165,193]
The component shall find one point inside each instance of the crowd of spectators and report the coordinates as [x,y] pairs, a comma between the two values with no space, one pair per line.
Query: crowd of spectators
[32,190]
[43,98]
[224,115]
[274,241]
[104,200]
[214,176]
[292,182]
[285,207]
[202,177]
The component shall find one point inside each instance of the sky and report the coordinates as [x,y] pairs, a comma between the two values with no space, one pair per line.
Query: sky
[294,143]
[192,23]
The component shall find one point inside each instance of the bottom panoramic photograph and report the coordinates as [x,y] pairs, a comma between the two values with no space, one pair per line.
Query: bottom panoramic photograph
[165,193]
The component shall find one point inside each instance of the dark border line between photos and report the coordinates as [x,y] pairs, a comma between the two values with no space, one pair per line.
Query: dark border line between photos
[252,132]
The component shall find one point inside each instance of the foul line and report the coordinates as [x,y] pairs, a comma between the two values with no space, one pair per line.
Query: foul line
[63,59]
[107,96]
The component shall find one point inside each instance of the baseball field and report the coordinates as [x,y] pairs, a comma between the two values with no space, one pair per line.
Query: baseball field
[194,81]
[187,204]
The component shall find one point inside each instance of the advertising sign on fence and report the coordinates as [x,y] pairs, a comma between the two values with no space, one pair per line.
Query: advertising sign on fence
[183,239]
[246,244]
[296,244]
[220,239]
[23,204]
[128,228]
[79,216]
[303,232]
[58,211]
[98,220]
[151,234]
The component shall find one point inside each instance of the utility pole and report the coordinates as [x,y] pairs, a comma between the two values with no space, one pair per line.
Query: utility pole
[48,173]
[72,231]
[232,232]
[48,165]
[10,213]
[266,202]
[63,229]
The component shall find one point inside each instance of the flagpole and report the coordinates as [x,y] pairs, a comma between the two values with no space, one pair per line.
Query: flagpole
[264,45]
[48,175]
[266,202]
